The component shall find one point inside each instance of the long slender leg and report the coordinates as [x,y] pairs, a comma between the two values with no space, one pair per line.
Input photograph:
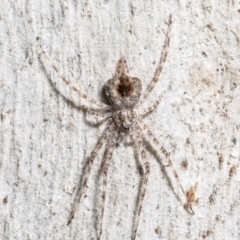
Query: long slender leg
[97,112]
[108,156]
[160,67]
[156,142]
[151,108]
[138,139]
[83,95]
[104,136]
[122,67]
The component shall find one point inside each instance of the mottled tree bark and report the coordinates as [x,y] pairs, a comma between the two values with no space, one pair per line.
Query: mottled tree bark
[46,137]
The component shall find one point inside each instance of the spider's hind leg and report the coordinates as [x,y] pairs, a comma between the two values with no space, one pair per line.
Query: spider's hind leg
[105,135]
[137,140]
[108,156]
[144,127]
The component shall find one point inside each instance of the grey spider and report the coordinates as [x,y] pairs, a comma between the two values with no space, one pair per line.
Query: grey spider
[124,118]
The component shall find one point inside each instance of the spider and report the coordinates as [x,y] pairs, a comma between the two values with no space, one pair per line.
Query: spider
[124,118]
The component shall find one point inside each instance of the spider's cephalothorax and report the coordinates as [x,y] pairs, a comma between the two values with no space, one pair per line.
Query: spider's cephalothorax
[123,93]
[123,115]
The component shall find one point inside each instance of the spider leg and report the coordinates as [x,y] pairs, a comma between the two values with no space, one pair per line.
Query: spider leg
[104,136]
[160,67]
[143,126]
[83,95]
[122,67]
[141,152]
[109,151]
[151,108]
[98,112]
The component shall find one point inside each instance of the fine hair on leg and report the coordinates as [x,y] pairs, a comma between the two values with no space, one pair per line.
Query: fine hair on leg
[137,138]
[105,135]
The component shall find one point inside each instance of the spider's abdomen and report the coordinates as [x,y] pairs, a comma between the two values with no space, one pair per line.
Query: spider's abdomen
[123,91]
[125,119]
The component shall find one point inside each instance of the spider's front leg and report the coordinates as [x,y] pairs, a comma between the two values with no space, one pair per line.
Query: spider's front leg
[105,135]
[104,107]
[160,66]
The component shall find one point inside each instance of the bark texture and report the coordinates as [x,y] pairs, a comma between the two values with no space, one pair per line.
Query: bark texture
[45,138]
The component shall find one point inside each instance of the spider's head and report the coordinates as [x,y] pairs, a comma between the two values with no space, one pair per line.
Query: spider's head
[122,90]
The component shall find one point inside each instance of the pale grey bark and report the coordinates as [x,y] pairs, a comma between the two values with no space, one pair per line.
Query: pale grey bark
[45,139]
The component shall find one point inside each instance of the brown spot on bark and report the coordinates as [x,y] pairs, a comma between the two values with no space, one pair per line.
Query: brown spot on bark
[184,165]
[233,170]
[5,200]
